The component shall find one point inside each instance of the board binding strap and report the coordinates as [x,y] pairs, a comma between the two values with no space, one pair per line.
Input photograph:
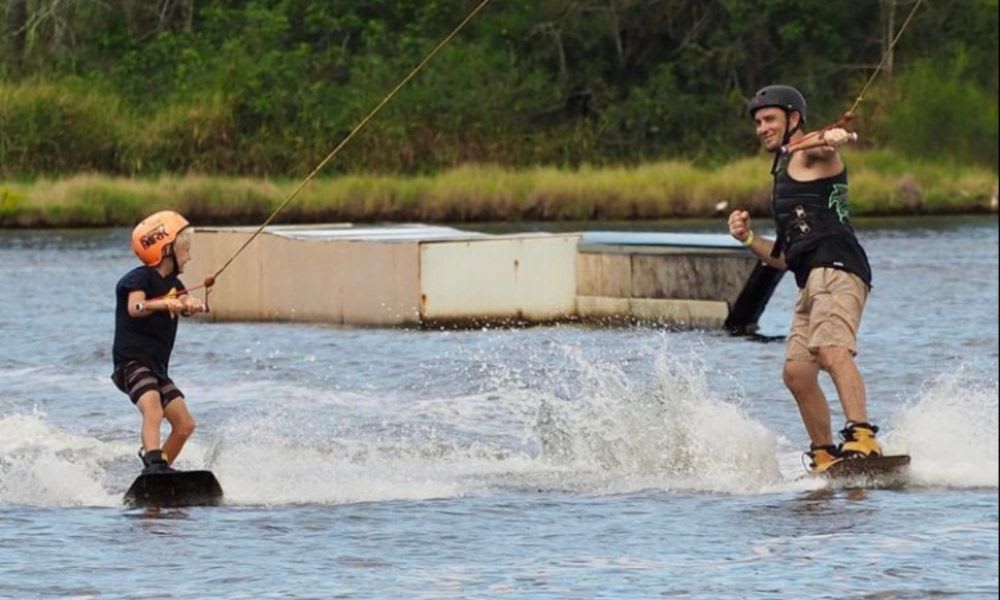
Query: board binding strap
[873,467]
[174,489]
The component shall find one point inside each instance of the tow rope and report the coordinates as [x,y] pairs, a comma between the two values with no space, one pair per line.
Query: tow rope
[210,280]
[815,139]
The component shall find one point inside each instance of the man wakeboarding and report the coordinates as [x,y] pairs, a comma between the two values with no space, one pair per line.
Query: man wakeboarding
[815,240]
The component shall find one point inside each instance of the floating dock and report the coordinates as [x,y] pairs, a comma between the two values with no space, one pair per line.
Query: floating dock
[682,279]
[421,275]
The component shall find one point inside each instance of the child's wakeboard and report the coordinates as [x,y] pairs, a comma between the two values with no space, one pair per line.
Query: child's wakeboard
[174,489]
[875,466]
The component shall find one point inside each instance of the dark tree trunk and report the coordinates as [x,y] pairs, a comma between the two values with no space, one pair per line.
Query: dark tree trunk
[17,33]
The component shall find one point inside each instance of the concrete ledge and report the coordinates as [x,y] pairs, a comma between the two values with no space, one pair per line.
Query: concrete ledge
[281,278]
[527,277]
[430,275]
[604,275]
[641,242]
[589,307]
[386,276]
[690,277]
[705,314]
[682,313]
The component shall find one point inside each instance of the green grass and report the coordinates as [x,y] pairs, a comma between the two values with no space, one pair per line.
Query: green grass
[881,184]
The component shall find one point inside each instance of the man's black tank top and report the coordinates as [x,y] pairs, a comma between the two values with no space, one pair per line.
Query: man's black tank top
[814,227]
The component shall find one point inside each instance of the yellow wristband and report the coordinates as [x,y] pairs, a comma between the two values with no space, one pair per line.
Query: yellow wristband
[749,241]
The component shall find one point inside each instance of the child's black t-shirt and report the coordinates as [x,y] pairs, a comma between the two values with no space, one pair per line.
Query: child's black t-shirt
[149,340]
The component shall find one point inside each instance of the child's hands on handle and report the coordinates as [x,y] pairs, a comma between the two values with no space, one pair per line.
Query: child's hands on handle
[192,305]
[739,225]
[174,306]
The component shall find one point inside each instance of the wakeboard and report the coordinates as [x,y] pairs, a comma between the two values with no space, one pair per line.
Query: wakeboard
[174,489]
[873,467]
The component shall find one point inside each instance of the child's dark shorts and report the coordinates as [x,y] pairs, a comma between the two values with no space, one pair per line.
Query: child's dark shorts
[135,379]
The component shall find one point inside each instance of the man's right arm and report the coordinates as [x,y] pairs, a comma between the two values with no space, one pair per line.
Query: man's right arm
[739,228]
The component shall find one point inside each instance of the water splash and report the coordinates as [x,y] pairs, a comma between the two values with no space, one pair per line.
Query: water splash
[594,427]
[951,431]
[589,427]
[269,459]
[41,465]
[44,465]
[671,432]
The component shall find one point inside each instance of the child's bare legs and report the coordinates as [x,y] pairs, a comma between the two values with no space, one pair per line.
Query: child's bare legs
[176,412]
[181,427]
[152,415]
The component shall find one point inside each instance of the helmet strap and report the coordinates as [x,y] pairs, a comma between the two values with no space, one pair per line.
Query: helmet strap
[173,261]
[168,254]
[789,130]
[173,272]
[784,139]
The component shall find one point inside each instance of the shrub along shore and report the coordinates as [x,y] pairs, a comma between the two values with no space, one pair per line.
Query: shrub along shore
[882,183]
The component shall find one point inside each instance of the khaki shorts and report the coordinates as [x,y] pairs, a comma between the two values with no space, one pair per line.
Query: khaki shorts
[827,313]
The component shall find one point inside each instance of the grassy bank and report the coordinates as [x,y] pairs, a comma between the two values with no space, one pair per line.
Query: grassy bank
[881,184]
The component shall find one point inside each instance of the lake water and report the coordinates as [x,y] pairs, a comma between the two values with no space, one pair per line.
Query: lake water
[548,462]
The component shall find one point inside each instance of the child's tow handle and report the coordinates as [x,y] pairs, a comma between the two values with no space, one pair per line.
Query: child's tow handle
[207,284]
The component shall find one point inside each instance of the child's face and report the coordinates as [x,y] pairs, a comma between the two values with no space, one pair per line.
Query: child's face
[182,253]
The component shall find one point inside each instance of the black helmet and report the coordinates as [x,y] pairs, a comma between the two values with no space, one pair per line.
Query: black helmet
[780,96]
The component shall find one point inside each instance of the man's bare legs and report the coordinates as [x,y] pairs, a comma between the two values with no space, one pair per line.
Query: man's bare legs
[839,363]
[802,379]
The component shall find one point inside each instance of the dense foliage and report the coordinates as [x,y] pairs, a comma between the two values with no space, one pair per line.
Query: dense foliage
[269,87]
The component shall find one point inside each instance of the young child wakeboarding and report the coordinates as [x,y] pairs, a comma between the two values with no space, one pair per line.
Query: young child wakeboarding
[149,299]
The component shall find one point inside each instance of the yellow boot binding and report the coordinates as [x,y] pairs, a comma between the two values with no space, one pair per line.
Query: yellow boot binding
[859,441]
[822,458]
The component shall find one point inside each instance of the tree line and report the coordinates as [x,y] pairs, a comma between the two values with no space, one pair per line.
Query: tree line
[268,87]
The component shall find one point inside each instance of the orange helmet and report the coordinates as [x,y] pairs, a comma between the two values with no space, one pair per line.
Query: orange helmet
[152,238]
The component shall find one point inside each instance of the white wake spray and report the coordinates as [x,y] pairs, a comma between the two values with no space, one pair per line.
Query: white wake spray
[40,465]
[671,432]
[590,428]
[951,432]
